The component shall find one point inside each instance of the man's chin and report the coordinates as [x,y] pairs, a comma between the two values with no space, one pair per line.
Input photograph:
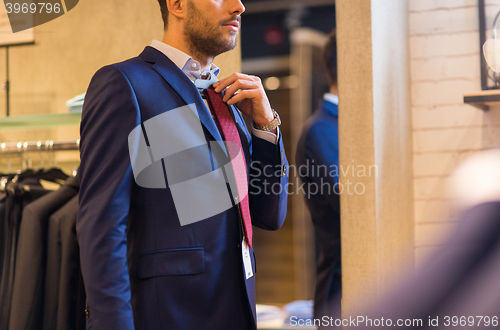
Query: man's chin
[229,46]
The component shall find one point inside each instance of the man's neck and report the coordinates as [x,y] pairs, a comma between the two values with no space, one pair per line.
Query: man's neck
[171,38]
[334,90]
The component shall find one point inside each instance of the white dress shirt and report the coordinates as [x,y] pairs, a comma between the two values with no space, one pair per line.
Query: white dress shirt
[332,98]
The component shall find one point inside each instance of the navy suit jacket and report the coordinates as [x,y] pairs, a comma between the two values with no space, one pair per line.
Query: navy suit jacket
[141,268]
[317,159]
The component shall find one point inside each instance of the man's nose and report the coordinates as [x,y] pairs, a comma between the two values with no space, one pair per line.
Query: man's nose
[237,7]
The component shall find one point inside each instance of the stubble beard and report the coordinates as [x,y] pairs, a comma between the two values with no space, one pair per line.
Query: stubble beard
[205,41]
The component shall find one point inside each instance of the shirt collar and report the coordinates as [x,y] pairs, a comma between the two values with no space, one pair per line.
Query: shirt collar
[331,98]
[183,61]
[331,104]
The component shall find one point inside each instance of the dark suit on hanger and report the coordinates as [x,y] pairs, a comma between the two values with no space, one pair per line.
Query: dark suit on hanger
[53,272]
[64,306]
[142,268]
[318,146]
[29,280]
[2,230]
[65,295]
[19,195]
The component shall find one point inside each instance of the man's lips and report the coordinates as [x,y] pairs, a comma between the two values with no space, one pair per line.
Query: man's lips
[233,25]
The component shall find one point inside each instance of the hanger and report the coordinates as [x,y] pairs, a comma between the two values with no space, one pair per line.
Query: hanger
[52,174]
[75,170]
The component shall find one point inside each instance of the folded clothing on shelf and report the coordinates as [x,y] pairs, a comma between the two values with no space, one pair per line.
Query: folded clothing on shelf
[76,104]
[274,317]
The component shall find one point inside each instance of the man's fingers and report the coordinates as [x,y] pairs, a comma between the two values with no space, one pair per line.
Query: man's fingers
[240,96]
[237,85]
[222,84]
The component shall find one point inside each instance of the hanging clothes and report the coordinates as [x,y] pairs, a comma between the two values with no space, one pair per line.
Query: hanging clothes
[27,304]
[64,306]
[41,284]
[71,293]
[18,194]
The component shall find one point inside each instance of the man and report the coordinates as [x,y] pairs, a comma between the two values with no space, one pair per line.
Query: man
[318,159]
[143,266]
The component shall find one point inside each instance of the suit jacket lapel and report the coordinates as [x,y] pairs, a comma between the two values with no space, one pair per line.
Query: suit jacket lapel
[237,117]
[182,85]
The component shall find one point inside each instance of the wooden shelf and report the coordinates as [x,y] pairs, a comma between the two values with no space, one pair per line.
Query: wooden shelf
[40,121]
[483,99]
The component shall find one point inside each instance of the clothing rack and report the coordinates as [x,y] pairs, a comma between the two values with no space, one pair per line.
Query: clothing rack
[38,146]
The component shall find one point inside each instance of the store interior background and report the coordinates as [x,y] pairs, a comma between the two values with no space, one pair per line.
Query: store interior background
[437,43]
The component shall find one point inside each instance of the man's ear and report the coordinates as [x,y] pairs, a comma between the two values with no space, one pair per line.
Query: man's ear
[176,8]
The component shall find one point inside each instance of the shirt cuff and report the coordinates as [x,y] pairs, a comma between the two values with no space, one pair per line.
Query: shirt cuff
[265,135]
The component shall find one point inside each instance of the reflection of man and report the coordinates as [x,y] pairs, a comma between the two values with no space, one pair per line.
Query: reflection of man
[318,151]
[142,269]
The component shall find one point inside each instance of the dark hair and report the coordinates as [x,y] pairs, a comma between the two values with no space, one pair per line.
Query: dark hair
[330,57]
[164,12]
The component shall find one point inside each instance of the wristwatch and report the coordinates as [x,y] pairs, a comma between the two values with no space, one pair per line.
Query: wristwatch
[272,125]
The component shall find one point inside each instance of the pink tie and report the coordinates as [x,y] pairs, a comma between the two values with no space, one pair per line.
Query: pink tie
[235,150]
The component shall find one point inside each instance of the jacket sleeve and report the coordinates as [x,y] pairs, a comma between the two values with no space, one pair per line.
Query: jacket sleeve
[110,113]
[268,184]
[322,149]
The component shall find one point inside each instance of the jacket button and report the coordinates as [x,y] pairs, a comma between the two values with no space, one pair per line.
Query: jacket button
[87,312]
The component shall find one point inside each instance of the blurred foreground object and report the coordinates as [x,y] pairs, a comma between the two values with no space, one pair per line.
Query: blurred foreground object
[458,286]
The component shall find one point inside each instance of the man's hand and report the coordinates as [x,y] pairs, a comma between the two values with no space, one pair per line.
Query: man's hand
[248,94]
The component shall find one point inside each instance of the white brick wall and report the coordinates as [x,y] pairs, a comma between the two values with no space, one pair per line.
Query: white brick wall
[441,92]
[447,140]
[456,20]
[443,45]
[435,164]
[444,64]
[432,5]
[432,211]
[438,68]
[445,116]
